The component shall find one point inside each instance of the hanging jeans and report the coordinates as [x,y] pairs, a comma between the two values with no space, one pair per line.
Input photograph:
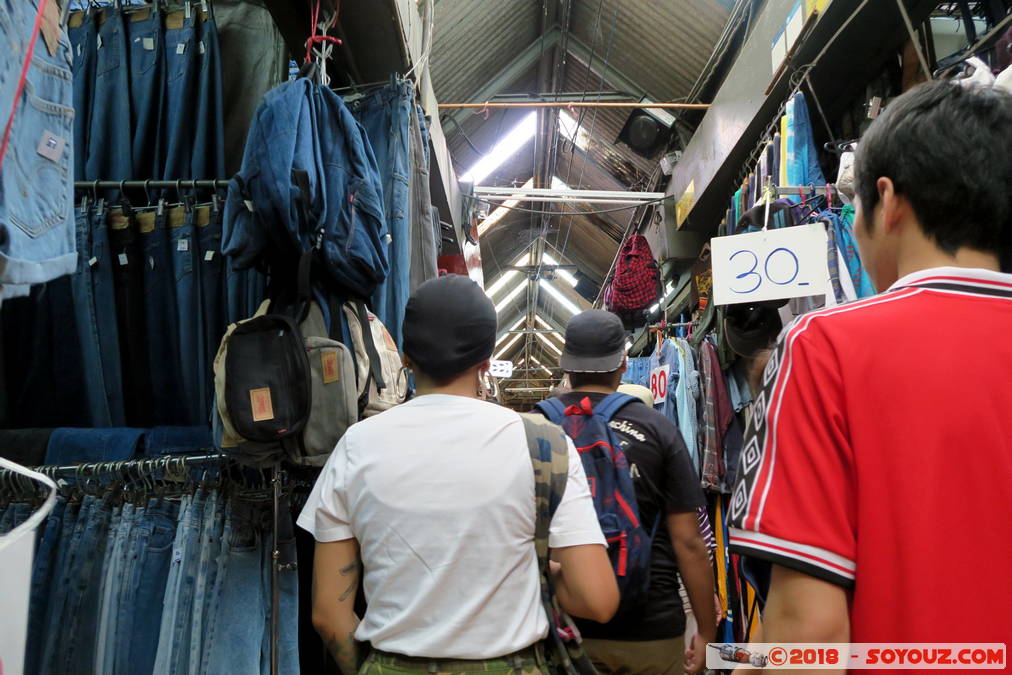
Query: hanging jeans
[69,544]
[174,631]
[386,117]
[182,248]
[423,243]
[101,262]
[42,575]
[239,635]
[80,625]
[208,157]
[250,44]
[37,241]
[87,328]
[83,37]
[208,262]
[147,90]
[109,159]
[162,341]
[150,554]
[181,80]
[112,586]
[128,277]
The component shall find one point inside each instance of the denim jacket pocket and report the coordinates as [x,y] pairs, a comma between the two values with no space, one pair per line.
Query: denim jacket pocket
[37,169]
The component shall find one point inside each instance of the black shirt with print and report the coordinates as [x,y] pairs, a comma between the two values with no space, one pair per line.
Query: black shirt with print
[665,482]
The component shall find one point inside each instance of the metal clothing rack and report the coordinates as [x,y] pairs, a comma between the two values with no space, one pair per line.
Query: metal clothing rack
[807,190]
[96,185]
[140,466]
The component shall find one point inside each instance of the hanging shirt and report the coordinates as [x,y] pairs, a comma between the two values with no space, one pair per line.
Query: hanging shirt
[439,493]
[637,371]
[845,241]
[667,356]
[686,397]
[716,417]
[879,457]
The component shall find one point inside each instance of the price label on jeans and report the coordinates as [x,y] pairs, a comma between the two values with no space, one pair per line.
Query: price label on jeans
[659,378]
[789,262]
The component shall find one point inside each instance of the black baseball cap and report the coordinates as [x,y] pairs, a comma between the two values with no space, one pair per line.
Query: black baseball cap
[595,343]
[449,326]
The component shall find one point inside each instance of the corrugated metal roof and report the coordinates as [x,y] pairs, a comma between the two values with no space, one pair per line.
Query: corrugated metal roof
[657,46]
[474,39]
[660,45]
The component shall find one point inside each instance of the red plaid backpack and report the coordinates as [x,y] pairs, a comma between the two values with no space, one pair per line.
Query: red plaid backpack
[636,282]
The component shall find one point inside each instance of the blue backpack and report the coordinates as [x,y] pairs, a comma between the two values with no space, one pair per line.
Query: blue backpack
[611,486]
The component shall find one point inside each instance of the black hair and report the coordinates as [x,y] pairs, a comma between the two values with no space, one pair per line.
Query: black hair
[948,150]
[578,380]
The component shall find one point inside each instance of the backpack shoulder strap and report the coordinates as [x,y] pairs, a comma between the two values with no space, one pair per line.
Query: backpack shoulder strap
[549,452]
[553,409]
[611,404]
[375,367]
[550,459]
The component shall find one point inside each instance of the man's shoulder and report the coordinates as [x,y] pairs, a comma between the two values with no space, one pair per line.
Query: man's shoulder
[874,314]
[473,412]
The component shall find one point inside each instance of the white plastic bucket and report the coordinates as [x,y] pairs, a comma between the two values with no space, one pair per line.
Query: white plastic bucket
[16,550]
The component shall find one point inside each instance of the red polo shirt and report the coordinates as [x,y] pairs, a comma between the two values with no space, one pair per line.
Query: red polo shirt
[881,458]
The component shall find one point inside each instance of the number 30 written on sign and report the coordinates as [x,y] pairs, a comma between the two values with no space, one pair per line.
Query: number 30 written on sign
[789,262]
[745,254]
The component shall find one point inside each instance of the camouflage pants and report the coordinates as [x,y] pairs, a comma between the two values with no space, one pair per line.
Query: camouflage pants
[527,662]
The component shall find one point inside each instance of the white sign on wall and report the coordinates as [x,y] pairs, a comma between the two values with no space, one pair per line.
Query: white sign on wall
[789,262]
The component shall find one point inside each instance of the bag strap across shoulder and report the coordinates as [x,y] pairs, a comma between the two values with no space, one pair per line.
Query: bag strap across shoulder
[550,460]
[609,406]
[553,409]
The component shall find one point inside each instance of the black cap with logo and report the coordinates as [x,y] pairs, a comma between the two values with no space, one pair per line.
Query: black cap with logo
[595,343]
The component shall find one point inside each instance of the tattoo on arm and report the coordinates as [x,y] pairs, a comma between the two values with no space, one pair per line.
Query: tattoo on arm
[345,653]
[351,570]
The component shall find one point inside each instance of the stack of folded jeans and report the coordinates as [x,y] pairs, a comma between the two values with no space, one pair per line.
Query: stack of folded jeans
[127,582]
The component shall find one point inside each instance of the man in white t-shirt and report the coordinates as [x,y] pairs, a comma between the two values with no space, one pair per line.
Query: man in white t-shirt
[433,502]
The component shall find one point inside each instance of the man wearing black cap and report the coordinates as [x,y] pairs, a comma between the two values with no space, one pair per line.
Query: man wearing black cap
[647,639]
[433,502]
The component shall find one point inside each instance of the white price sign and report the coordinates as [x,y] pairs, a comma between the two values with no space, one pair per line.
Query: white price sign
[789,262]
[500,369]
[659,378]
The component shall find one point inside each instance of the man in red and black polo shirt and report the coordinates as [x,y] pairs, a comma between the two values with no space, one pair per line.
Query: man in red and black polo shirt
[877,482]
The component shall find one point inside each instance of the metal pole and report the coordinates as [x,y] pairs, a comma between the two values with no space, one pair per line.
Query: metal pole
[275,566]
[566,200]
[149,184]
[578,104]
[522,193]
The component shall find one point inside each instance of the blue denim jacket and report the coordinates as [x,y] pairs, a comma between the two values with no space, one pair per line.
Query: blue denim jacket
[37,222]
[303,127]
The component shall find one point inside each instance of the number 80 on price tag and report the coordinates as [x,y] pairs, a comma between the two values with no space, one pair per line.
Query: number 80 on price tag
[659,379]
